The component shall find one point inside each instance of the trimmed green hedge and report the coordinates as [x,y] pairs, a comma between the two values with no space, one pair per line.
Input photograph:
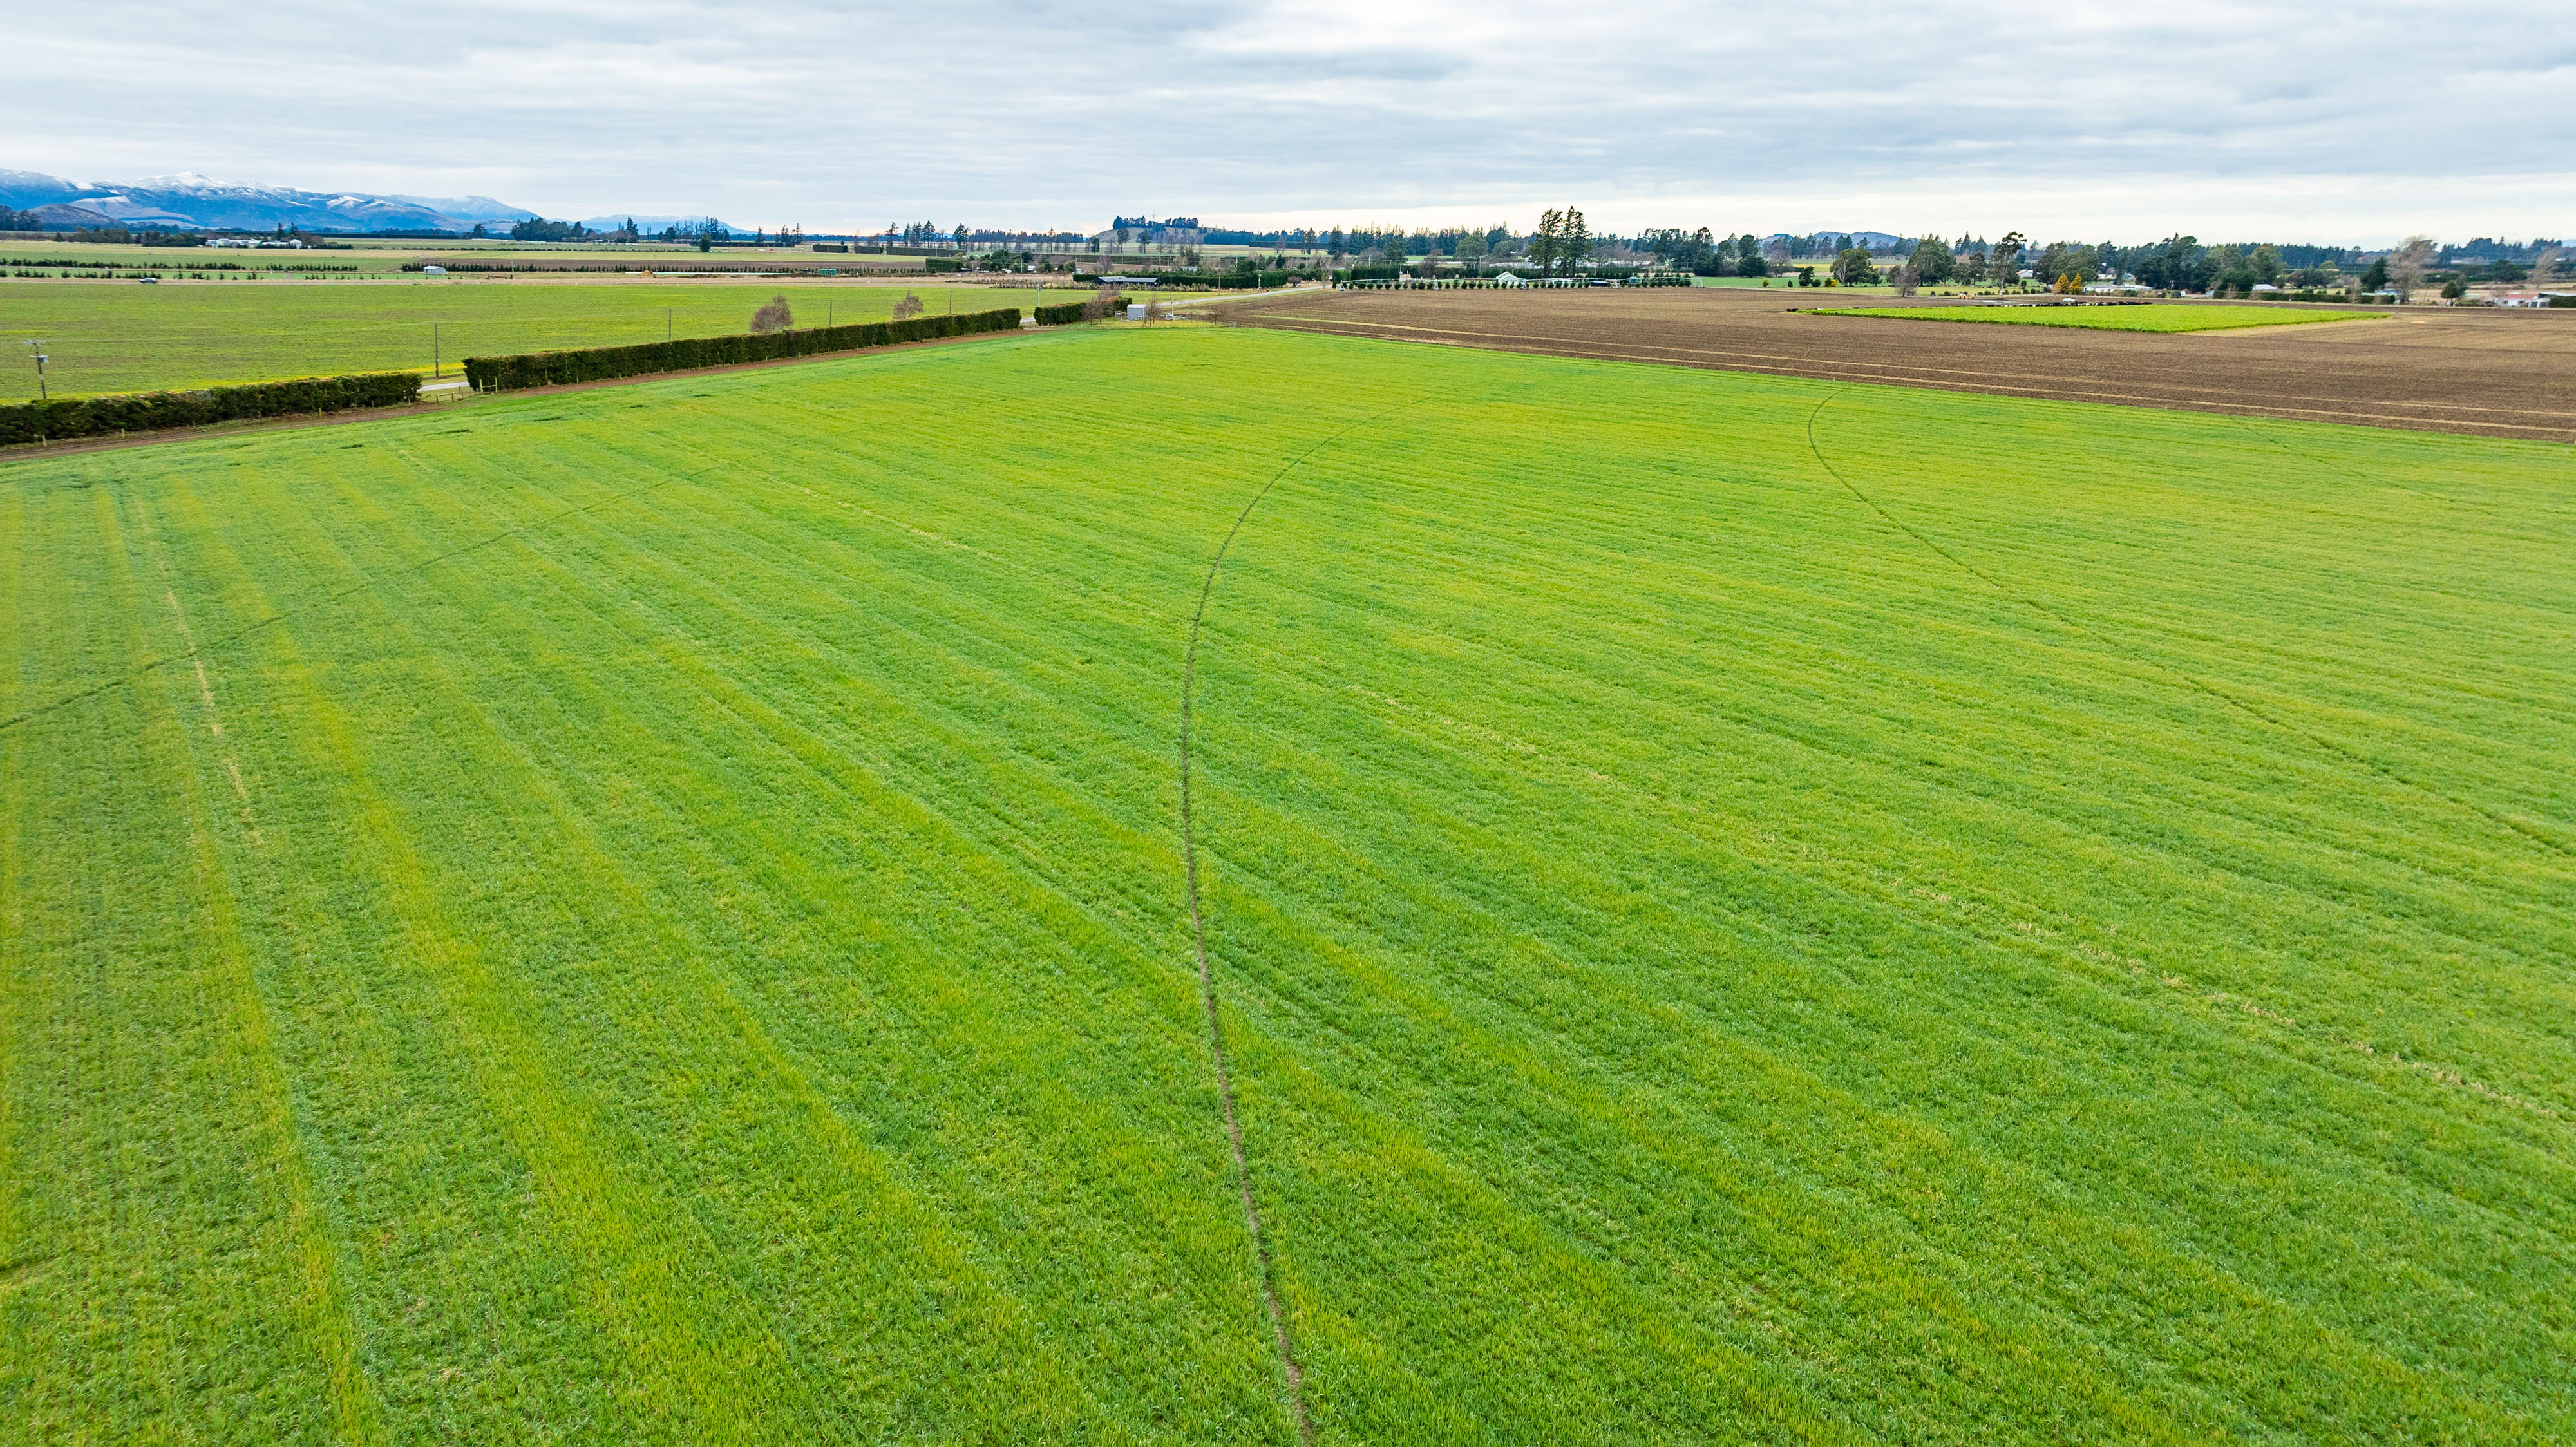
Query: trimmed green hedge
[1067,313]
[152,411]
[593,364]
[1242,280]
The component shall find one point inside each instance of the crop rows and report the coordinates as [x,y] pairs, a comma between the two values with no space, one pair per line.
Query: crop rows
[660,917]
[2163,317]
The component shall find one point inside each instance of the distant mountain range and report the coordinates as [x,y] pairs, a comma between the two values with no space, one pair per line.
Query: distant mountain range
[191,202]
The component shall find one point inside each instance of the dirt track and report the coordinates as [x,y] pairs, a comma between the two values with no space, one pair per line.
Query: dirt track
[2485,372]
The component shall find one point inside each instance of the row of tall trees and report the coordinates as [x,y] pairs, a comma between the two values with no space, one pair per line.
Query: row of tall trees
[1562,242]
[2185,263]
[1710,255]
[926,233]
[1465,243]
[540,229]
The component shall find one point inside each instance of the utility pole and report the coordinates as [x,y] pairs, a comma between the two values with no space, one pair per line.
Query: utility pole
[38,347]
[434,366]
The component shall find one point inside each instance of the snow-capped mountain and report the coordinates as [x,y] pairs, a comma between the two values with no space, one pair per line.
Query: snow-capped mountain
[188,200]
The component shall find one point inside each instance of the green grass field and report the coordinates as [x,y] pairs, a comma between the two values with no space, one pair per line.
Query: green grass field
[129,338]
[2131,317]
[370,255]
[1744,909]
[367,260]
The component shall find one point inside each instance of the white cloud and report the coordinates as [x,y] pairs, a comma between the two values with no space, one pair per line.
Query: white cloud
[2361,123]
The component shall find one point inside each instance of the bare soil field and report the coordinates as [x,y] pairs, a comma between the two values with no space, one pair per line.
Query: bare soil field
[2485,372]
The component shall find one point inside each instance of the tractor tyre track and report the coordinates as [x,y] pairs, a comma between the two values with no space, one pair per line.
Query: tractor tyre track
[1293,1378]
[2320,741]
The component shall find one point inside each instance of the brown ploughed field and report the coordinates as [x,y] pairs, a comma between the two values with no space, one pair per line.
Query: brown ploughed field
[2487,372]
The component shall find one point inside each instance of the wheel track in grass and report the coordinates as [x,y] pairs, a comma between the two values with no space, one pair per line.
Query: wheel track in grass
[2323,742]
[1290,1375]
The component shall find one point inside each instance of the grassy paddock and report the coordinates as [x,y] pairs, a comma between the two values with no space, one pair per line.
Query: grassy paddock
[654,914]
[2136,317]
[370,255]
[130,338]
[24,253]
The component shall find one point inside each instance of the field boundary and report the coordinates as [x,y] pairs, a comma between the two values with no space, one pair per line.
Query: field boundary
[30,451]
[116,412]
[1198,927]
[524,371]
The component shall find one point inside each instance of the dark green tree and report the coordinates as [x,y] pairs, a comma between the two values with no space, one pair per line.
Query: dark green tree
[1575,241]
[2177,263]
[2005,262]
[1546,246]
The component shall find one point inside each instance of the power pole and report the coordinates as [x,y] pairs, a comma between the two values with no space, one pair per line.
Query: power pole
[38,347]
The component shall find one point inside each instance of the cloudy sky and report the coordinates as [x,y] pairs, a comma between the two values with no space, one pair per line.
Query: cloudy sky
[2356,123]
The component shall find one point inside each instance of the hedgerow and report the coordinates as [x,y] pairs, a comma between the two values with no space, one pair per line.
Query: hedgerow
[149,411]
[1067,313]
[591,364]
